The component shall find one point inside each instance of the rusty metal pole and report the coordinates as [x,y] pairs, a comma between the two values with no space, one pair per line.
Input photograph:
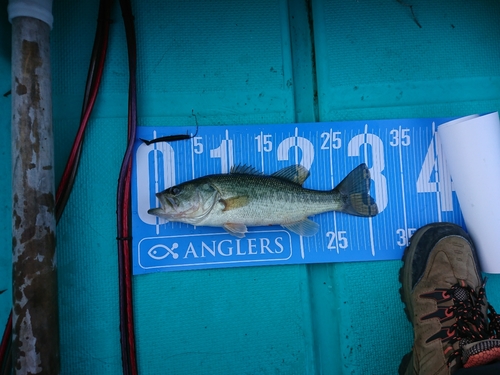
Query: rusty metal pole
[35,341]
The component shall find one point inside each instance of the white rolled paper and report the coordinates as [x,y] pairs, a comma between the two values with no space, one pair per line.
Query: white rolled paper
[472,148]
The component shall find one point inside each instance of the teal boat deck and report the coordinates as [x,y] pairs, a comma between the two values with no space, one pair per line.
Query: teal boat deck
[244,62]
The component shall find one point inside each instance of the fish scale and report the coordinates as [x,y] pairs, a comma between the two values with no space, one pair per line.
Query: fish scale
[271,200]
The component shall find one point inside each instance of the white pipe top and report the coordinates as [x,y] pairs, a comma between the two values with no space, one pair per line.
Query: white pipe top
[40,9]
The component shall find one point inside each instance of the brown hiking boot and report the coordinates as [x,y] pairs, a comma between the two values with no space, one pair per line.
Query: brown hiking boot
[444,296]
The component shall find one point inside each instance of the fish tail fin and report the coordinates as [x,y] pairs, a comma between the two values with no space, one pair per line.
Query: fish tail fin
[354,191]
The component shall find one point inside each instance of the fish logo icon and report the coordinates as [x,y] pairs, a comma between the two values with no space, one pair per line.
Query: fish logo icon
[160,251]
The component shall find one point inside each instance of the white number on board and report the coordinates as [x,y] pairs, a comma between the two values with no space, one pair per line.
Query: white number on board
[404,236]
[160,166]
[361,141]
[434,176]
[331,139]
[297,143]
[197,145]
[337,237]
[400,137]
[264,143]
[225,153]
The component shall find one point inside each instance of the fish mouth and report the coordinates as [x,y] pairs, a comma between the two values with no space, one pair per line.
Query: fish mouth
[172,209]
[168,207]
[159,212]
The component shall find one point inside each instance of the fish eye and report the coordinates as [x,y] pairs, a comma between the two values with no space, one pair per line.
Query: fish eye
[174,190]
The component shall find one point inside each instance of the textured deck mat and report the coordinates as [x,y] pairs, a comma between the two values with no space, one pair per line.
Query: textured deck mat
[234,62]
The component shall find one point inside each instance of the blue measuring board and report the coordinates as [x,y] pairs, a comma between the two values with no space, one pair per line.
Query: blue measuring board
[410,183]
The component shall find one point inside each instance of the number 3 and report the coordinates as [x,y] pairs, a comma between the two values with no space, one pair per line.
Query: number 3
[378,163]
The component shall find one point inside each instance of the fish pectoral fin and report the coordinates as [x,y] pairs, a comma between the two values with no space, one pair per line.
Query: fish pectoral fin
[294,173]
[235,229]
[306,227]
[234,202]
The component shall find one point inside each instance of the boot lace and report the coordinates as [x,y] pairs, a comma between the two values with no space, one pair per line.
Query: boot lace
[471,323]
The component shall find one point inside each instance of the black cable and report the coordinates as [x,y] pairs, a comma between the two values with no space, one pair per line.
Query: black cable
[129,359]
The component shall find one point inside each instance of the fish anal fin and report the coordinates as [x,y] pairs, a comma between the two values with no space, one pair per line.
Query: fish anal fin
[294,173]
[234,202]
[236,229]
[306,227]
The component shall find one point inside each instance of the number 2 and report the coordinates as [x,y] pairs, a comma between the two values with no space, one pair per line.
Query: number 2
[297,143]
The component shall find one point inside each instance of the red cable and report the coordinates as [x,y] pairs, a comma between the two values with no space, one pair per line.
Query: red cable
[75,150]
[128,271]
[5,345]
[129,360]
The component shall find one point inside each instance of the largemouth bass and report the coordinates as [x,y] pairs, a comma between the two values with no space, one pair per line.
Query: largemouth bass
[245,198]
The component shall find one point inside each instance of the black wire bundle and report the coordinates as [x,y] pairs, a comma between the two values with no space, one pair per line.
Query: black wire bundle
[94,76]
[129,360]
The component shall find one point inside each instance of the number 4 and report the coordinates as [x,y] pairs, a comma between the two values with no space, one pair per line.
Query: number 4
[434,164]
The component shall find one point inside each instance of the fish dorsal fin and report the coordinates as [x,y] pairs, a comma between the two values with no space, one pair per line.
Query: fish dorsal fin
[244,169]
[294,173]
